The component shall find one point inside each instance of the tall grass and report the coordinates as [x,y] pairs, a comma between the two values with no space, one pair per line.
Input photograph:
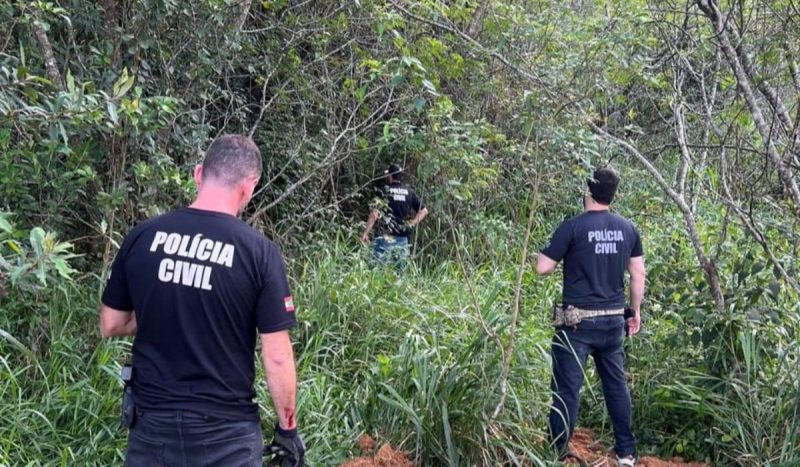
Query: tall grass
[405,359]
[755,410]
[58,404]
[409,362]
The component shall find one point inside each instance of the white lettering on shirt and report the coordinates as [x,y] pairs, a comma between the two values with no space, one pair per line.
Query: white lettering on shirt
[186,273]
[398,194]
[172,244]
[606,241]
[159,239]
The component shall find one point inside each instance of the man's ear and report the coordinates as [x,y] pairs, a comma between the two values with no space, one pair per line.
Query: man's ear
[198,175]
[248,187]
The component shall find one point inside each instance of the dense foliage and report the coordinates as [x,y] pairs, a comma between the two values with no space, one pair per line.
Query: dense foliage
[499,109]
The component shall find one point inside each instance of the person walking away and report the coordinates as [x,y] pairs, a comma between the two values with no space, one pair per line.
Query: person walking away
[193,286]
[399,202]
[596,247]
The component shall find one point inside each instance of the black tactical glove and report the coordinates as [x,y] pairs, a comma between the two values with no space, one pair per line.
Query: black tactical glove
[628,314]
[287,448]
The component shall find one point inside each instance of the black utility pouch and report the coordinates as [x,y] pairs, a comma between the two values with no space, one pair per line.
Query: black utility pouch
[557,317]
[128,404]
[569,316]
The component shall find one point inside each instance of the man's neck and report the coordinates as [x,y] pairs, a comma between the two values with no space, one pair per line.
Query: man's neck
[216,199]
[592,206]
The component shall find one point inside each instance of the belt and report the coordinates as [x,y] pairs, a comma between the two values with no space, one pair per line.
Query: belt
[572,316]
[391,238]
[595,313]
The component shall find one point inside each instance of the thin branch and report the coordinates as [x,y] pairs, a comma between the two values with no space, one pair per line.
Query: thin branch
[453,30]
[512,332]
[688,216]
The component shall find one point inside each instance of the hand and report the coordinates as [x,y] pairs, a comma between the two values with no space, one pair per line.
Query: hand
[288,448]
[365,239]
[634,324]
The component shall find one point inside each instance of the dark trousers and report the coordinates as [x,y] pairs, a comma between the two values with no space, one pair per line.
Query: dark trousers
[186,439]
[602,339]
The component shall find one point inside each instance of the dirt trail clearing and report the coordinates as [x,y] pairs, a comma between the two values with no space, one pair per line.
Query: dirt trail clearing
[593,454]
[584,445]
[385,457]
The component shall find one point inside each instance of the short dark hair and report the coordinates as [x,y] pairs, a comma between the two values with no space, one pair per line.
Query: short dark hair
[232,158]
[395,171]
[603,185]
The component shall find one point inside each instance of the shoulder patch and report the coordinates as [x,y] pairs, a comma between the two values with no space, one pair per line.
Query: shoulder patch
[288,304]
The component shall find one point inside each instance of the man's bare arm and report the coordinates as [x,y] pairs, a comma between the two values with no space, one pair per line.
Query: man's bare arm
[373,217]
[115,322]
[637,272]
[276,351]
[418,218]
[545,265]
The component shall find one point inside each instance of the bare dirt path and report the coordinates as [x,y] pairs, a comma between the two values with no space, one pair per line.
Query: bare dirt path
[589,452]
[386,456]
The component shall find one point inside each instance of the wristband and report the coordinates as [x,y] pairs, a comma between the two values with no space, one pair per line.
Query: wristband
[286,433]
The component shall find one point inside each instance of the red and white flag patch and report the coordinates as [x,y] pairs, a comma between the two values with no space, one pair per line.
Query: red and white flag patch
[288,303]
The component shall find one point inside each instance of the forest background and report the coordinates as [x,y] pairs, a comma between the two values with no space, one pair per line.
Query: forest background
[498,109]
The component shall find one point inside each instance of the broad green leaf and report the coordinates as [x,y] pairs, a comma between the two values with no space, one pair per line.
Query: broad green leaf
[112,112]
[37,240]
[64,270]
[5,226]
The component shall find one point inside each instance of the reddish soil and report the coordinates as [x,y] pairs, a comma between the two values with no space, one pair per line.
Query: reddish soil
[583,444]
[591,453]
[386,456]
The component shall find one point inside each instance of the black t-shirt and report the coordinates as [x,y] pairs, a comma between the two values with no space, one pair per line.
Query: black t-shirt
[596,247]
[201,284]
[401,201]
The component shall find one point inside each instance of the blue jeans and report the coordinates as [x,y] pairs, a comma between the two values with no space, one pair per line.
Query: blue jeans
[186,439]
[602,338]
[392,249]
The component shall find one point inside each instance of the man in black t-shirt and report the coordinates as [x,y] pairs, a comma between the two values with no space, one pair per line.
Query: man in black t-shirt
[597,247]
[391,213]
[194,286]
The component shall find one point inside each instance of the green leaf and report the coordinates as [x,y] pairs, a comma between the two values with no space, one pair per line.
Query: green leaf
[64,270]
[774,288]
[112,112]
[5,226]
[41,273]
[37,241]
[17,273]
[429,87]
[14,247]
[126,86]
[396,80]
[70,82]
[14,342]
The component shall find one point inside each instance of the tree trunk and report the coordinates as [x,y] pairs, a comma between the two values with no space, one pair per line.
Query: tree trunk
[50,64]
[763,85]
[109,17]
[477,18]
[711,11]
[241,15]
